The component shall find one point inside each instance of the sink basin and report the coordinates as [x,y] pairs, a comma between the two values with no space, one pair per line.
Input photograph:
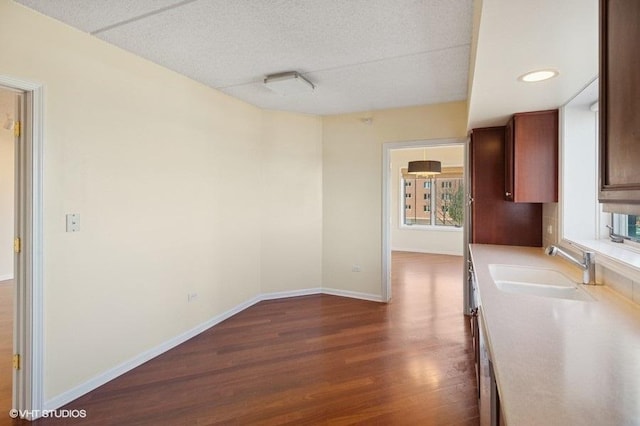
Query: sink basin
[536,282]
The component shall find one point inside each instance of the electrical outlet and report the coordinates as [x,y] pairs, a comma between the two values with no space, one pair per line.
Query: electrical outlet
[191,297]
[356,268]
[549,229]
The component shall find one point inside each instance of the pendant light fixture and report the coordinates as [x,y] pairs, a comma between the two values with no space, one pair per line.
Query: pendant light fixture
[424,167]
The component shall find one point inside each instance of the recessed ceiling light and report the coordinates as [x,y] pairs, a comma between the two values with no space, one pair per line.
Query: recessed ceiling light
[539,75]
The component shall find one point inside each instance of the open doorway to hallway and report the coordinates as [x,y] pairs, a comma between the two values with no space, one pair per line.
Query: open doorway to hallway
[423,213]
[26,232]
[8,118]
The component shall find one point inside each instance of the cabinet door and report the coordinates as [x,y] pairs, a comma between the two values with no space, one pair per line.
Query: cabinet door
[489,399]
[508,162]
[493,219]
[532,157]
[620,101]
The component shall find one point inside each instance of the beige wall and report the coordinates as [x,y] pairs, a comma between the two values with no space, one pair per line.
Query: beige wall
[430,240]
[6,186]
[157,166]
[291,202]
[352,185]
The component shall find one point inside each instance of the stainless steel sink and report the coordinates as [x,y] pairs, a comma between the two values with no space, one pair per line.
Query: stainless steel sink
[536,282]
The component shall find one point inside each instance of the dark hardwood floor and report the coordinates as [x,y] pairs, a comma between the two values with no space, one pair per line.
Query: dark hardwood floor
[6,346]
[313,360]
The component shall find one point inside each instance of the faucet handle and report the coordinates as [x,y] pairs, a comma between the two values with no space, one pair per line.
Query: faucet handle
[616,238]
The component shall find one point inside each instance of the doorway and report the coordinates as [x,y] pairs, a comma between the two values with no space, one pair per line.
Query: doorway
[26,133]
[418,213]
[9,113]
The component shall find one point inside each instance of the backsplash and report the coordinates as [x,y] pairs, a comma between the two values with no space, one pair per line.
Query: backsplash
[549,223]
[618,282]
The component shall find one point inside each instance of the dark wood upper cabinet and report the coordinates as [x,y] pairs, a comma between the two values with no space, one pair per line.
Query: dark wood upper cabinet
[619,102]
[508,161]
[493,219]
[531,157]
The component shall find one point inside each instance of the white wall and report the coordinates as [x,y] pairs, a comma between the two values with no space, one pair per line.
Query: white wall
[423,239]
[579,172]
[352,185]
[169,178]
[6,186]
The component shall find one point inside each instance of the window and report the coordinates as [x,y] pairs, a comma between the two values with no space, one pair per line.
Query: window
[583,220]
[443,196]
[627,226]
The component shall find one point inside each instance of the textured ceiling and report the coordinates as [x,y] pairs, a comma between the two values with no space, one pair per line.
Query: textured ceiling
[360,54]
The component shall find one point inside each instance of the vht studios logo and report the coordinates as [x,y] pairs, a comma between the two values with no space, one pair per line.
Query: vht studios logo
[57,414]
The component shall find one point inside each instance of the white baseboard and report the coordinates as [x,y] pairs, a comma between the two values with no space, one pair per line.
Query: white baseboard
[414,250]
[319,290]
[293,293]
[352,294]
[6,277]
[99,380]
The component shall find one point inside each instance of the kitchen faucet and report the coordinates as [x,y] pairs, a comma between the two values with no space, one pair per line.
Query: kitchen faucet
[587,264]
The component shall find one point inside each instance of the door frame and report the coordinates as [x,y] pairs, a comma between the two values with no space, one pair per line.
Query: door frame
[28,342]
[387,147]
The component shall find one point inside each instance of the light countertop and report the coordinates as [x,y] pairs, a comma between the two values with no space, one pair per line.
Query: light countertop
[556,361]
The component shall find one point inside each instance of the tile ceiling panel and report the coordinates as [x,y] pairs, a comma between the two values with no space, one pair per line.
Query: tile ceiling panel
[379,53]
[406,81]
[93,15]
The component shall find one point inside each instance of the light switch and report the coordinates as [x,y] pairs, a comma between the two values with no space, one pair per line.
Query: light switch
[73,222]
